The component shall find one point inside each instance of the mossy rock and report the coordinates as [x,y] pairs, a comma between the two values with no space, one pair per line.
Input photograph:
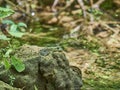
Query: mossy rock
[45,68]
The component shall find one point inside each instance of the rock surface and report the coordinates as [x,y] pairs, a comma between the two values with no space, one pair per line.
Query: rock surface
[49,70]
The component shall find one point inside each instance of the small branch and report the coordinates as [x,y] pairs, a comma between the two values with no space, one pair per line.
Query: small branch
[12,4]
[97,4]
[68,5]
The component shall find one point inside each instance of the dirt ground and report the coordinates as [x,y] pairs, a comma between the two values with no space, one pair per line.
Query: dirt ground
[96,76]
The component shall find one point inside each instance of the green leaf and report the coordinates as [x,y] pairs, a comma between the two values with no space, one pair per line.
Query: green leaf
[35,87]
[13,28]
[13,31]
[8,22]
[7,64]
[7,54]
[22,29]
[3,37]
[5,12]
[18,64]
[17,34]
[21,24]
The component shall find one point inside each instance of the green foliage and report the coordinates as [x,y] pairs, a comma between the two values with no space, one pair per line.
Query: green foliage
[5,12]
[83,43]
[7,54]
[3,37]
[35,87]
[11,78]
[17,63]
[96,13]
[21,24]
[7,64]
[8,22]
[6,60]
[92,45]
[101,82]
[15,29]
[11,61]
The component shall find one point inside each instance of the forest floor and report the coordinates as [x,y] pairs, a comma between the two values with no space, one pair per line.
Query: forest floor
[94,47]
[100,67]
[96,74]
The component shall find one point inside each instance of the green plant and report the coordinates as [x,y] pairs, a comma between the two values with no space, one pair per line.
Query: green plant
[92,45]
[16,30]
[11,78]
[9,60]
[18,64]
[96,13]
[35,87]
[5,12]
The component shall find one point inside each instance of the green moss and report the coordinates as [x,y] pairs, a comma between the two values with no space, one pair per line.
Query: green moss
[82,43]
[44,41]
[101,84]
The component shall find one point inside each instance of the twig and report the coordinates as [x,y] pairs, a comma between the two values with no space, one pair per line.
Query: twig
[12,4]
[68,5]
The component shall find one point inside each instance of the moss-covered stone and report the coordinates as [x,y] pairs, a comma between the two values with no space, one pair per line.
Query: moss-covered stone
[49,69]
